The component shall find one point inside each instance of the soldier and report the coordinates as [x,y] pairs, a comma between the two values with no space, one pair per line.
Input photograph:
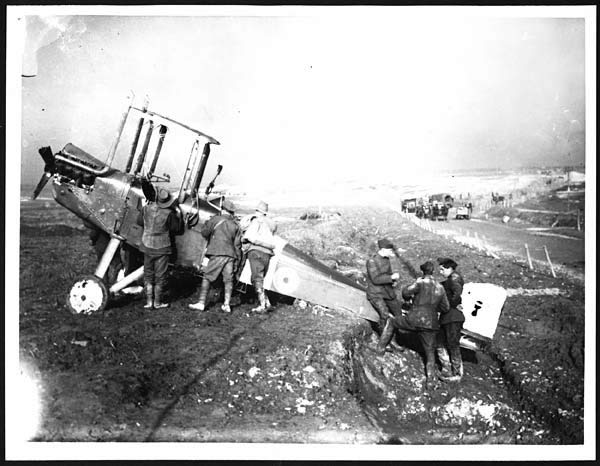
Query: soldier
[428,299]
[224,253]
[451,323]
[161,221]
[382,277]
[258,245]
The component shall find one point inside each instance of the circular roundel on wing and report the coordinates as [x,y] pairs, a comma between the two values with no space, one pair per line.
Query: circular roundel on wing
[285,280]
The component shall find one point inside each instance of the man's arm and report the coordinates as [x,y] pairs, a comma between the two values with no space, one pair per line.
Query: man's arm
[207,228]
[410,290]
[273,226]
[176,225]
[443,305]
[455,290]
[237,244]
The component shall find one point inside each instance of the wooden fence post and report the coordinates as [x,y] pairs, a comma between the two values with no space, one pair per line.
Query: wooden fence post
[528,257]
[549,262]
[578,219]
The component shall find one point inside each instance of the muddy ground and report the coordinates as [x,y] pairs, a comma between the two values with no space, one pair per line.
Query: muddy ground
[295,374]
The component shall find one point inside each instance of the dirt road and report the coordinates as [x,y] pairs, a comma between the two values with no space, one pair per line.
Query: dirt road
[566,247]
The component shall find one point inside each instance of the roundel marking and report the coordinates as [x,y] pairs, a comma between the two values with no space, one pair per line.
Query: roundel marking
[285,280]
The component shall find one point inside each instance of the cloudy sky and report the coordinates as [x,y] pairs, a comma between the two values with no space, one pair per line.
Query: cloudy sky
[314,95]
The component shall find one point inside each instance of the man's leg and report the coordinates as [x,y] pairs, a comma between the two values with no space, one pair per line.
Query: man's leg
[395,308]
[393,323]
[386,335]
[442,353]
[149,281]
[453,337]
[227,285]
[204,289]
[266,262]
[382,309]
[258,271]
[161,266]
[427,338]
[210,273]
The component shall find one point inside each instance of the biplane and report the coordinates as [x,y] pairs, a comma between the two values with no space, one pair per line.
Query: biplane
[109,201]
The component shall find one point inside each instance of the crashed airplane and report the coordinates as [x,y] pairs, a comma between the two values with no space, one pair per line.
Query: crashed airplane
[109,201]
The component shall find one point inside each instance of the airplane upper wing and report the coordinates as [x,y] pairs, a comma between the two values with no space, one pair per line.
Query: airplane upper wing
[183,125]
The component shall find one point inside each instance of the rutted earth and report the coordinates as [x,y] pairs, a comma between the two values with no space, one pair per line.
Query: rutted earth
[296,374]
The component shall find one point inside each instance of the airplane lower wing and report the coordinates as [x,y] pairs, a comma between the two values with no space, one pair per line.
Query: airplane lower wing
[294,273]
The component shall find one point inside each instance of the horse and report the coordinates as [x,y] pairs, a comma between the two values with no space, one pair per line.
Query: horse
[496,199]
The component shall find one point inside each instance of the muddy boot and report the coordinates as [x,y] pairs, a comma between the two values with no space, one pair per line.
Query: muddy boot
[149,296]
[431,381]
[201,304]
[158,294]
[386,336]
[395,346]
[457,366]
[445,362]
[262,300]
[228,289]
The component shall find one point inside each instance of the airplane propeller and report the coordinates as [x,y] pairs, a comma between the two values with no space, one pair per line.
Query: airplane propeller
[49,168]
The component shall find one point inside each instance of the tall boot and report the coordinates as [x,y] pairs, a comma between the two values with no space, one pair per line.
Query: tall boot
[386,335]
[444,358]
[457,365]
[227,290]
[262,299]
[201,304]
[158,294]
[149,296]
[431,381]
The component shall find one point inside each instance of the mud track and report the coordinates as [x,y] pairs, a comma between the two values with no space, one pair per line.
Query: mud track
[293,375]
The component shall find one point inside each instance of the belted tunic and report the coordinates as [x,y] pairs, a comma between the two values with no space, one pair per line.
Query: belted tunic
[159,223]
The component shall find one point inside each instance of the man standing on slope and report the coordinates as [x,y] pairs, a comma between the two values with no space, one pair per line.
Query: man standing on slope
[428,301]
[382,278]
[451,323]
[258,243]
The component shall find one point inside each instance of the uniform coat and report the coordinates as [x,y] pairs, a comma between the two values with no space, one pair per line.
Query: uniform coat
[453,285]
[429,300]
[379,278]
[223,235]
[159,226]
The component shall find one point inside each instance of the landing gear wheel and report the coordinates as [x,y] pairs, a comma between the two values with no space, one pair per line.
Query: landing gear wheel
[87,296]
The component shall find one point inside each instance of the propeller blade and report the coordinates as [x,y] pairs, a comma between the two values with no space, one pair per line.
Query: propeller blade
[38,189]
[48,156]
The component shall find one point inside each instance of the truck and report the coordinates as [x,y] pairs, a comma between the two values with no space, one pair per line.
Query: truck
[409,205]
[464,210]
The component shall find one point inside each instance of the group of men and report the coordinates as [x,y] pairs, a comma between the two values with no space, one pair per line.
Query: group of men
[229,245]
[431,310]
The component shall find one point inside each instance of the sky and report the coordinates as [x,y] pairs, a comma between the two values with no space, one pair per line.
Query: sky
[314,97]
